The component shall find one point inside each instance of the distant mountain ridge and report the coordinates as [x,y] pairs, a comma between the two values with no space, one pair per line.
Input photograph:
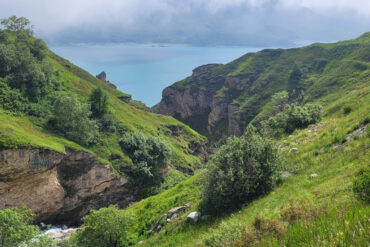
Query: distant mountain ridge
[221,100]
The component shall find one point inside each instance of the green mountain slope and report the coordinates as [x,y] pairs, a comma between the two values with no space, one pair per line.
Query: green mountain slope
[22,128]
[334,149]
[219,100]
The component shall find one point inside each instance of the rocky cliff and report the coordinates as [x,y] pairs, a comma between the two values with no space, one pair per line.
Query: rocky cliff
[59,188]
[207,108]
[220,100]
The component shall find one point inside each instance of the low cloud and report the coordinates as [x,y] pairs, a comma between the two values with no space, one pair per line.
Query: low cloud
[199,22]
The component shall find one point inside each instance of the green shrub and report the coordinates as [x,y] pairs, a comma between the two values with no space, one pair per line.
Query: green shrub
[17,24]
[347,109]
[241,170]
[105,227]
[148,154]
[107,123]
[99,103]
[16,229]
[295,117]
[361,184]
[11,99]
[71,119]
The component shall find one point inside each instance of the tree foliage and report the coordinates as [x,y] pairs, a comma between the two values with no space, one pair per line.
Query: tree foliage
[16,226]
[17,24]
[23,66]
[148,154]
[241,170]
[106,227]
[99,103]
[361,183]
[72,119]
[295,117]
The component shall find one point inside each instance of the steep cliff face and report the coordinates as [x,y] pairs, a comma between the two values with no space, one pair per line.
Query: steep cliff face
[59,188]
[209,110]
[221,100]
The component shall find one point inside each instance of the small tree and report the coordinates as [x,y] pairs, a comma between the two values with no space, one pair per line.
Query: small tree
[361,183]
[16,226]
[105,227]
[72,119]
[295,117]
[99,103]
[241,170]
[149,155]
[16,24]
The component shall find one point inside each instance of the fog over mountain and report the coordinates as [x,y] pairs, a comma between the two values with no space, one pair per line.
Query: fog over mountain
[194,22]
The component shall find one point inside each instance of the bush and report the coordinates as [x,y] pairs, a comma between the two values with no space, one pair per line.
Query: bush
[104,228]
[71,119]
[295,117]
[361,184]
[148,154]
[11,99]
[99,103]
[107,123]
[16,229]
[347,109]
[241,170]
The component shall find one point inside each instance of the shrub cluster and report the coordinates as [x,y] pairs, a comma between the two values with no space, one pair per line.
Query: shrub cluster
[72,119]
[295,117]
[148,154]
[240,171]
[361,184]
[28,82]
[16,229]
[106,227]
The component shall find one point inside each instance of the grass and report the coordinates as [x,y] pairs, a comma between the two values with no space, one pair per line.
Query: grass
[328,71]
[346,226]
[319,153]
[22,131]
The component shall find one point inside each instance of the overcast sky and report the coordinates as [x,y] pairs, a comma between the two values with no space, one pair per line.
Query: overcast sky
[198,22]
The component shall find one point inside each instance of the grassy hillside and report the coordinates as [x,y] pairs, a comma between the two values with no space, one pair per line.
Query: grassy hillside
[335,149]
[22,129]
[314,73]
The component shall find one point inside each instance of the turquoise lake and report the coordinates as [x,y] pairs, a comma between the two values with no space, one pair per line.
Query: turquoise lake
[145,70]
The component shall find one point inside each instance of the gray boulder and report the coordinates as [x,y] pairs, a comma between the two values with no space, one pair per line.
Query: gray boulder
[193,217]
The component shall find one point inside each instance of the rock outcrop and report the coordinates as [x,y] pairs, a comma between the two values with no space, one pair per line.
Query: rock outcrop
[206,108]
[103,77]
[168,217]
[59,188]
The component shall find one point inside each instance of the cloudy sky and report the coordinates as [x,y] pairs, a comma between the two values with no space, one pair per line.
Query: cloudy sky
[199,22]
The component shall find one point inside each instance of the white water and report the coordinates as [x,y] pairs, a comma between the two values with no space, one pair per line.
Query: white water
[60,232]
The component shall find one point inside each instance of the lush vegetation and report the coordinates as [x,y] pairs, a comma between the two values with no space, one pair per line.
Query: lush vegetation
[329,209]
[16,229]
[45,101]
[72,119]
[148,154]
[241,170]
[316,74]
[361,184]
[104,228]
[295,117]
[323,211]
